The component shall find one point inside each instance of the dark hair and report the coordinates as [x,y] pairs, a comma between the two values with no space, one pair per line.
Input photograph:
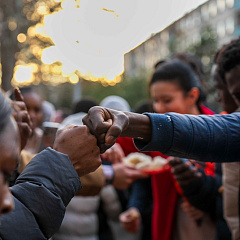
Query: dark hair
[5,111]
[229,57]
[159,63]
[23,90]
[220,79]
[145,106]
[193,61]
[84,105]
[180,72]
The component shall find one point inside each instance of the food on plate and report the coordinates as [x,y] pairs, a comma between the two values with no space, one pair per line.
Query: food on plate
[144,162]
[158,163]
[138,160]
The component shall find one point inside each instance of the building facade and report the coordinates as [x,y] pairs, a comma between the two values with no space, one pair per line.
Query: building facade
[222,16]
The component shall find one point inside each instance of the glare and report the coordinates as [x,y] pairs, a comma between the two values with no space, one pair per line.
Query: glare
[73,79]
[21,37]
[90,38]
[24,74]
[12,25]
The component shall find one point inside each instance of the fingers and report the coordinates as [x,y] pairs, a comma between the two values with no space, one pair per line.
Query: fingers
[80,146]
[136,174]
[191,211]
[174,161]
[131,220]
[17,94]
[114,154]
[184,171]
[120,122]
[106,124]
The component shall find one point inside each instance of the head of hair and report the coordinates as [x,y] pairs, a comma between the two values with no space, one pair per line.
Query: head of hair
[84,105]
[220,78]
[159,63]
[193,61]
[5,111]
[145,106]
[181,73]
[229,57]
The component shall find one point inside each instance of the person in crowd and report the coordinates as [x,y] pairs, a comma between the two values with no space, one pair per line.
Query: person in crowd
[49,111]
[205,191]
[35,207]
[175,88]
[114,158]
[140,201]
[80,220]
[229,66]
[34,104]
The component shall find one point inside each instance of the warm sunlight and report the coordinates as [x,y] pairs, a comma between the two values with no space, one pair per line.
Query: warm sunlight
[90,38]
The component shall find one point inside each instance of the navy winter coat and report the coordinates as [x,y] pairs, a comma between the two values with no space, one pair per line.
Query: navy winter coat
[203,137]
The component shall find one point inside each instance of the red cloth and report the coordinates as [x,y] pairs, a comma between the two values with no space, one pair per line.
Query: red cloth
[165,193]
[128,147]
[165,190]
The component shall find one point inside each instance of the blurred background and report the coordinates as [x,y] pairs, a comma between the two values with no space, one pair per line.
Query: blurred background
[71,49]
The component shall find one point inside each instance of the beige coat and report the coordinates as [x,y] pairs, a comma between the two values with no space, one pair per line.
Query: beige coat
[231,201]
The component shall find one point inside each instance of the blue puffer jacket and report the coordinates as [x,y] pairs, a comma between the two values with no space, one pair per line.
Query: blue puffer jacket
[205,138]
[41,194]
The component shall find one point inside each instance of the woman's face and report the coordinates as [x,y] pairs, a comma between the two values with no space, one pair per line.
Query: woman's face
[10,150]
[169,97]
[34,106]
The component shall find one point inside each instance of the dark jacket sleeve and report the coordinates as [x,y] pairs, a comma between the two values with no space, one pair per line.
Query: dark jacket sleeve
[140,194]
[205,138]
[41,194]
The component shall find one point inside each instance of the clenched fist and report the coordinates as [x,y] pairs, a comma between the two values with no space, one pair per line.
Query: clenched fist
[80,146]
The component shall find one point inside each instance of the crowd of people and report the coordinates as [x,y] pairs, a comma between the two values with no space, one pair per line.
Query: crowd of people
[68,179]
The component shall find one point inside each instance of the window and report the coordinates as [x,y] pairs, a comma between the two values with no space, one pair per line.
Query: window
[230,3]
[196,18]
[230,25]
[204,12]
[221,5]
[212,9]
[221,29]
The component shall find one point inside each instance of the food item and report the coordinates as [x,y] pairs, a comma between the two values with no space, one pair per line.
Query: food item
[158,163]
[138,160]
[144,162]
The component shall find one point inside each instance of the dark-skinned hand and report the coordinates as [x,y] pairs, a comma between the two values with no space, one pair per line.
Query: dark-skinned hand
[22,117]
[80,146]
[184,171]
[107,125]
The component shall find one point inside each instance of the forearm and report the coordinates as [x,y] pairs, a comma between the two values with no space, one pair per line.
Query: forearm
[139,127]
[205,138]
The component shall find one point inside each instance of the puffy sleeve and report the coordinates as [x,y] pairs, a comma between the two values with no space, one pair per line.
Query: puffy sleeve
[41,194]
[205,138]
